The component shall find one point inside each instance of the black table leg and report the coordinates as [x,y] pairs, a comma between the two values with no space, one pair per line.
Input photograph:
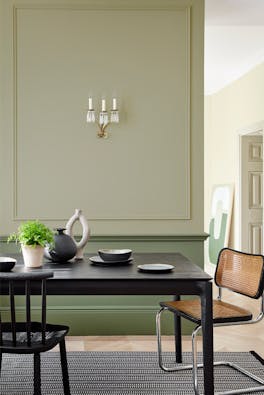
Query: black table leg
[207,330]
[177,334]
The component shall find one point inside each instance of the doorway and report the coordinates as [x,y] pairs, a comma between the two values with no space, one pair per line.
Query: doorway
[251,191]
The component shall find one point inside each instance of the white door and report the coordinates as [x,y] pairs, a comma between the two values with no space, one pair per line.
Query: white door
[252,194]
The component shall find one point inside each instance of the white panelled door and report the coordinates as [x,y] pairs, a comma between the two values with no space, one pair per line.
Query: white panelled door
[252,194]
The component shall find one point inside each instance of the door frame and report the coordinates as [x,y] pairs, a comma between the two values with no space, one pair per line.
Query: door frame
[255,129]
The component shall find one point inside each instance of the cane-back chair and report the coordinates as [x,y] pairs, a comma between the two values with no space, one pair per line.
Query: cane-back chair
[238,272]
[30,337]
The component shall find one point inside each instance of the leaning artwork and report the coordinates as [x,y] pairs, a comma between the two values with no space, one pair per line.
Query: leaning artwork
[219,227]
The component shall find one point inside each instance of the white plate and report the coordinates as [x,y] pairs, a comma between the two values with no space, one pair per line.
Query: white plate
[156,268]
[97,260]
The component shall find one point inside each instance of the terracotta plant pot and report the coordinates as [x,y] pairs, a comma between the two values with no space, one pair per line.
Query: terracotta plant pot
[32,255]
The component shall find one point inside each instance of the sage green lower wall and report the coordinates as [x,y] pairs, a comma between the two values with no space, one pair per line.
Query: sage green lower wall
[115,315]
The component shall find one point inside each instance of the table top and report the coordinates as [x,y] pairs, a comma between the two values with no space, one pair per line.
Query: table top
[84,269]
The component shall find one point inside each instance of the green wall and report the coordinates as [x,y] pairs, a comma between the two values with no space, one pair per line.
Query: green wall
[146,180]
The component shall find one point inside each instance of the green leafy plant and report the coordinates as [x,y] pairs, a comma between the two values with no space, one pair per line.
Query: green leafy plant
[32,233]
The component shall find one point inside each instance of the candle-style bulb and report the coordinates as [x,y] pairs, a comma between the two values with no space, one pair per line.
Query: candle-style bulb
[90,103]
[114,104]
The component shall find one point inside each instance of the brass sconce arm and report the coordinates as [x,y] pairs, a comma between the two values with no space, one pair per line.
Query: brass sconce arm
[102,133]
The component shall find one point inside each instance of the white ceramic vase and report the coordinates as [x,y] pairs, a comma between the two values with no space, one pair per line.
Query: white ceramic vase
[32,255]
[78,216]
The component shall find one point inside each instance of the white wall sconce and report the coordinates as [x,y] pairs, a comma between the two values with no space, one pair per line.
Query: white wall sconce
[103,120]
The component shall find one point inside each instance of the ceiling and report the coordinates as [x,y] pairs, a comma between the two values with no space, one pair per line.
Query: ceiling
[234,40]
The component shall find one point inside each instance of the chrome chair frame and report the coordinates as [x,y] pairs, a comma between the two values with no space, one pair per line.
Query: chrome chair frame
[194,366]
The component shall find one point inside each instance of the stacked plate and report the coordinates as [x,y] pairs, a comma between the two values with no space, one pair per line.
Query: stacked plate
[108,257]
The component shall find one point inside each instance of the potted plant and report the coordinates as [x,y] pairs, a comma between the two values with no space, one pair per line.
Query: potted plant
[33,237]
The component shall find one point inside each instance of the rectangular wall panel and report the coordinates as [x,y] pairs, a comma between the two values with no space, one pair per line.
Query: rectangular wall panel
[255,190]
[255,152]
[255,238]
[61,56]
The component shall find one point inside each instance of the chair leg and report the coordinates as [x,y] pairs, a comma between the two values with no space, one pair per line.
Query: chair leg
[194,366]
[221,363]
[64,367]
[158,332]
[37,379]
[248,390]
[160,358]
[178,338]
[0,363]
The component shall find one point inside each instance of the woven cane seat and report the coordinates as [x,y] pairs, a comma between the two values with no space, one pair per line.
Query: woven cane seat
[222,311]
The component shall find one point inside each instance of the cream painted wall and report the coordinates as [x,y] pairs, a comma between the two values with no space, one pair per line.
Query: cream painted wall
[147,178]
[227,113]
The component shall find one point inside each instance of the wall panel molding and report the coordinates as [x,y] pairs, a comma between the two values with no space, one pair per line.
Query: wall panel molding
[19,213]
[139,238]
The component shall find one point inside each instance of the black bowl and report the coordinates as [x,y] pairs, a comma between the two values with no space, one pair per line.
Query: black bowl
[6,263]
[113,255]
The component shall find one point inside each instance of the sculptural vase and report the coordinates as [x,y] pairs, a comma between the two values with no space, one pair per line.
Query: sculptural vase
[78,216]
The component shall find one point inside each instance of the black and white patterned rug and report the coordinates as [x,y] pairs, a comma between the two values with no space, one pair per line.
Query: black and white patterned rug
[118,373]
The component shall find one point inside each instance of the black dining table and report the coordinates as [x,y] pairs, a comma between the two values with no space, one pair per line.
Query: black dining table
[83,277]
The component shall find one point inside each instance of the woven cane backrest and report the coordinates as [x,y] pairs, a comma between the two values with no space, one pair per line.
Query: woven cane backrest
[240,272]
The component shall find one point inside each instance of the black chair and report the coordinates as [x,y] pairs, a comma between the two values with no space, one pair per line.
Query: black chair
[240,273]
[31,337]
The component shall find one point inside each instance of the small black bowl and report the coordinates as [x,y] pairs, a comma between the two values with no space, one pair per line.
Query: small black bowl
[113,255]
[6,263]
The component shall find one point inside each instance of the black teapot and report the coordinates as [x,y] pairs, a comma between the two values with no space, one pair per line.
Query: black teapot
[64,247]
